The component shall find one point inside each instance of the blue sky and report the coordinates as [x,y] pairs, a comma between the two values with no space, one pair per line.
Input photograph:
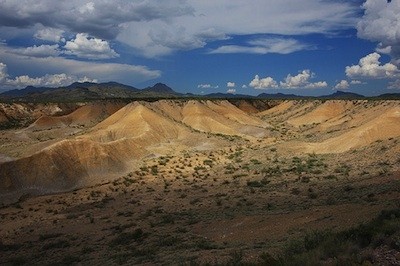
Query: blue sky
[305,47]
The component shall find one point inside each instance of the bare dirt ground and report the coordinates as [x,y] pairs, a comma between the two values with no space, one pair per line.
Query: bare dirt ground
[204,183]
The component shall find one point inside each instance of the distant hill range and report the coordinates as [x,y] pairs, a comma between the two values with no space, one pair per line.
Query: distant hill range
[343,95]
[88,91]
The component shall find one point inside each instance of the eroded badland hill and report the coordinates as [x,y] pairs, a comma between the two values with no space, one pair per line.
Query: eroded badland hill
[200,181]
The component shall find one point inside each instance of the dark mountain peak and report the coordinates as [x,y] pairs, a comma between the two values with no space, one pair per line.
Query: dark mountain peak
[160,88]
[80,84]
[279,96]
[25,91]
[344,95]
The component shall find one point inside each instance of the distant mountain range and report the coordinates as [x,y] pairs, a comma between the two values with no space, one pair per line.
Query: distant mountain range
[88,91]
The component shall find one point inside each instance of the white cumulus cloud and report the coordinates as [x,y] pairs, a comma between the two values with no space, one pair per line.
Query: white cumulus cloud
[54,80]
[302,80]
[381,23]
[41,50]
[342,85]
[92,48]
[263,83]
[316,85]
[231,91]
[370,67]
[207,86]
[230,84]
[48,80]
[103,72]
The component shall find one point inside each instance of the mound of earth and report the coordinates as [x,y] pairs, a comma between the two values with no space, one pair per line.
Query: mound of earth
[23,113]
[87,115]
[384,126]
[136,121]
[324,112]
[63,166]
[280,108]
[218,117]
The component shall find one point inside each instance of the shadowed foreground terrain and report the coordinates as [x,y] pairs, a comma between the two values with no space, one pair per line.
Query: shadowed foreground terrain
[203,182]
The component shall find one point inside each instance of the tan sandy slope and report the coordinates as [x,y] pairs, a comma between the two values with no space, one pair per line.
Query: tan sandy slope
[384,126]
[170,126]
[325,111]
[89,114]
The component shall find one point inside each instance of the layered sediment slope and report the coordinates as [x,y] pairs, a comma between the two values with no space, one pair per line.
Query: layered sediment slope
[322,113]
[128,134]
[113,137]
[383,126]
[16,114]
[62,166]
[218,117]
[337,125]
[89,114]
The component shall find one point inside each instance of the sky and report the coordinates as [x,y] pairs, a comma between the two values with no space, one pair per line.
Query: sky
[304,47]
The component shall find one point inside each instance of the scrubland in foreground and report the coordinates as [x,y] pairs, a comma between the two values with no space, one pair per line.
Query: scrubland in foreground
[204,182]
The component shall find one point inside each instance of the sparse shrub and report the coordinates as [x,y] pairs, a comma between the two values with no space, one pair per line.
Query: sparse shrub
[194,201]
[238,176]
[305,179]
[61,243]
[272,171]
[208,162]
[295,191]
[126,238]
[256,183]
[69,260]
[198,168]
[312,195]
[236,258]
[330,201]
[144,169]
[205,244]
[128,181]
[348,188]
[49,236]
[18,261]
[154,170]
[330,177]
[343,169]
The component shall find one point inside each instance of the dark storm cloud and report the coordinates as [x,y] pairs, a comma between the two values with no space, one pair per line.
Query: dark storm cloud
[98,18]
